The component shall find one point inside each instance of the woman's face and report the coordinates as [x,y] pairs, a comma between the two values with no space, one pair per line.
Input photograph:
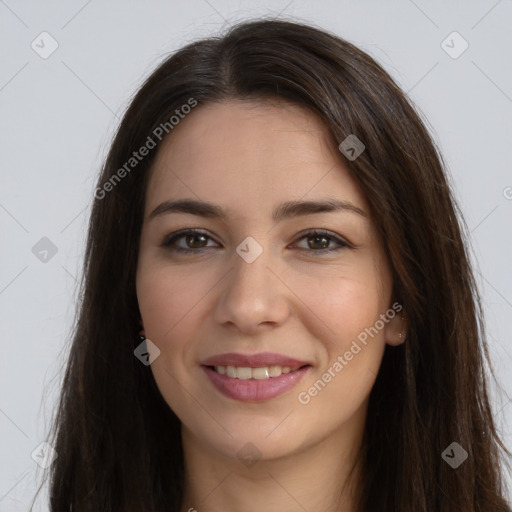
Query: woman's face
[268,333]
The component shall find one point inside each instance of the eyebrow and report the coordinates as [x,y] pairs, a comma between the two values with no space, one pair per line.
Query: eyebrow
[286,210]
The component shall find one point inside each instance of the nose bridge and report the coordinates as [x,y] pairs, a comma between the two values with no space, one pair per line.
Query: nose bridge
[250,277]
[251,295]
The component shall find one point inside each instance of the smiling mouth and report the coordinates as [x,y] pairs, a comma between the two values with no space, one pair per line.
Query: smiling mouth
[258,373]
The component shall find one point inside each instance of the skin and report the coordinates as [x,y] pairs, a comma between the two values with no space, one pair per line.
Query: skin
[249,157]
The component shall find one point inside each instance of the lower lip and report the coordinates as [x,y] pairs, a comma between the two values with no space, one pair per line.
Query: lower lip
[254,390]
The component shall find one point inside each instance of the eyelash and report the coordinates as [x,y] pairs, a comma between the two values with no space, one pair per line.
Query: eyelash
[170,241]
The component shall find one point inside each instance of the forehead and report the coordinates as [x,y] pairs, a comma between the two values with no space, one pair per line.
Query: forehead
[251,154]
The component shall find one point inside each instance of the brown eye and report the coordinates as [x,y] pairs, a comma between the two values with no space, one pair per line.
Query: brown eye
[195,241]
[318,242]
[188,241]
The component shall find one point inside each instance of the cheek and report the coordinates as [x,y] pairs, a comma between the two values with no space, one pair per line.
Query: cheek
[343,312]
[166,296]
[168,301]
[348,308]
[342,305]
[173,303]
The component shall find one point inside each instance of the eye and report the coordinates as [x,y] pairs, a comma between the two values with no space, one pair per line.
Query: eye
[319,241]
[194,241]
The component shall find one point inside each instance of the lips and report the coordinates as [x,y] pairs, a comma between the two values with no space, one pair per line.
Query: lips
[254,377]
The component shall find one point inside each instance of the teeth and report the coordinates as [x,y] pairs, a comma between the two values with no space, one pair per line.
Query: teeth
[260,373]
[275,371]
[243,373]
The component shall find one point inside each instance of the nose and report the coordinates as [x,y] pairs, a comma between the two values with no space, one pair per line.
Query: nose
[252,296]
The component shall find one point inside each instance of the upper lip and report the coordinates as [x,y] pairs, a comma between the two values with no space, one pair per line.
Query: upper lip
[253,360]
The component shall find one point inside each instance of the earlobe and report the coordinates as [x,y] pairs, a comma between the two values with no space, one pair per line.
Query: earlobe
[396,330]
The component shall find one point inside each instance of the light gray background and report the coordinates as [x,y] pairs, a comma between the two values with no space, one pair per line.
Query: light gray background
[58,115]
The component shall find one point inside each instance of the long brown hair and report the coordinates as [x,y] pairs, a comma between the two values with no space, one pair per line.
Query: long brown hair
[118,442]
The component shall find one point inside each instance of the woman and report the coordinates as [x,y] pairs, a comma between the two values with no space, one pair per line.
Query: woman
[275,222]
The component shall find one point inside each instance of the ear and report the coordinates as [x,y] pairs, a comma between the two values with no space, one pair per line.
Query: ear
[396,329]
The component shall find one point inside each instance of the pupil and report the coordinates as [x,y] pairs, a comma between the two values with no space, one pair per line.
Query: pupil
[190,239]
[316,240]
